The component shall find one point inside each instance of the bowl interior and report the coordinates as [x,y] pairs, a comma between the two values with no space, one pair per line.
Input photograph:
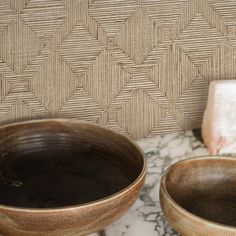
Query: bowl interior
[55,164]
[206,188]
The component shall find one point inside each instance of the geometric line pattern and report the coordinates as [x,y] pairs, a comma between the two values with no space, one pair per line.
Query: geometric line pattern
[140,67]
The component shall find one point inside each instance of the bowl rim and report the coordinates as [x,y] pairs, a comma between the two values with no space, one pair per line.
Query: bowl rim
[100,201]
[181,209]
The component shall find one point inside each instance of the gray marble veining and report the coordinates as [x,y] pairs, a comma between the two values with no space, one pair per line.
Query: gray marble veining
[145,217]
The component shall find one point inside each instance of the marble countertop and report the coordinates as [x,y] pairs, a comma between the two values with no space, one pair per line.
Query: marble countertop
[145,217]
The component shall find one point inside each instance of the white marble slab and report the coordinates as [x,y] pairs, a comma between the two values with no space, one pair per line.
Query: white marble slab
[145,217]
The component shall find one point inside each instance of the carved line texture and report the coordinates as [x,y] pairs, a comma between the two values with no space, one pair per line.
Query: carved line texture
[141,67]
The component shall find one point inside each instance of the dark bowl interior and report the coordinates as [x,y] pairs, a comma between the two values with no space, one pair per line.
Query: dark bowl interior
[206,188]
[55,164]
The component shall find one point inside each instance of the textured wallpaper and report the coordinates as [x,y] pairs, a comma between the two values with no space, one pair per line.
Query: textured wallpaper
[141,67]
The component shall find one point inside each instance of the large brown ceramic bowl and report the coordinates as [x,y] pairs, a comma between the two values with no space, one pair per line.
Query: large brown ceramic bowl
[198,196]
[65,177]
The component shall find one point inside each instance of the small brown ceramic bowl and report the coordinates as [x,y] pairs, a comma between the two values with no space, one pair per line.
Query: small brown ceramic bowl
[65,177]
[198,196]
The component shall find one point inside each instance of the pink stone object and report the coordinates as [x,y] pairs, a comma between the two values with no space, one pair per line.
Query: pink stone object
[219,121]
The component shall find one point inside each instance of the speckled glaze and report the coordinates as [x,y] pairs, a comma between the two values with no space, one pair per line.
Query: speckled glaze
[79,219]
[198,195]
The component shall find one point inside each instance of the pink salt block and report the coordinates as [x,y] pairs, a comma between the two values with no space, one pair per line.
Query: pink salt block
[219,121]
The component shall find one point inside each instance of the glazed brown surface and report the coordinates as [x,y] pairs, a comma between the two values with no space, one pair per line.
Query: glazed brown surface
[54,170]
[201,187]
[59,166]
[206,188]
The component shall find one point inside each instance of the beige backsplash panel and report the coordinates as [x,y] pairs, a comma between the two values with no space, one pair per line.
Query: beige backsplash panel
[138,66]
